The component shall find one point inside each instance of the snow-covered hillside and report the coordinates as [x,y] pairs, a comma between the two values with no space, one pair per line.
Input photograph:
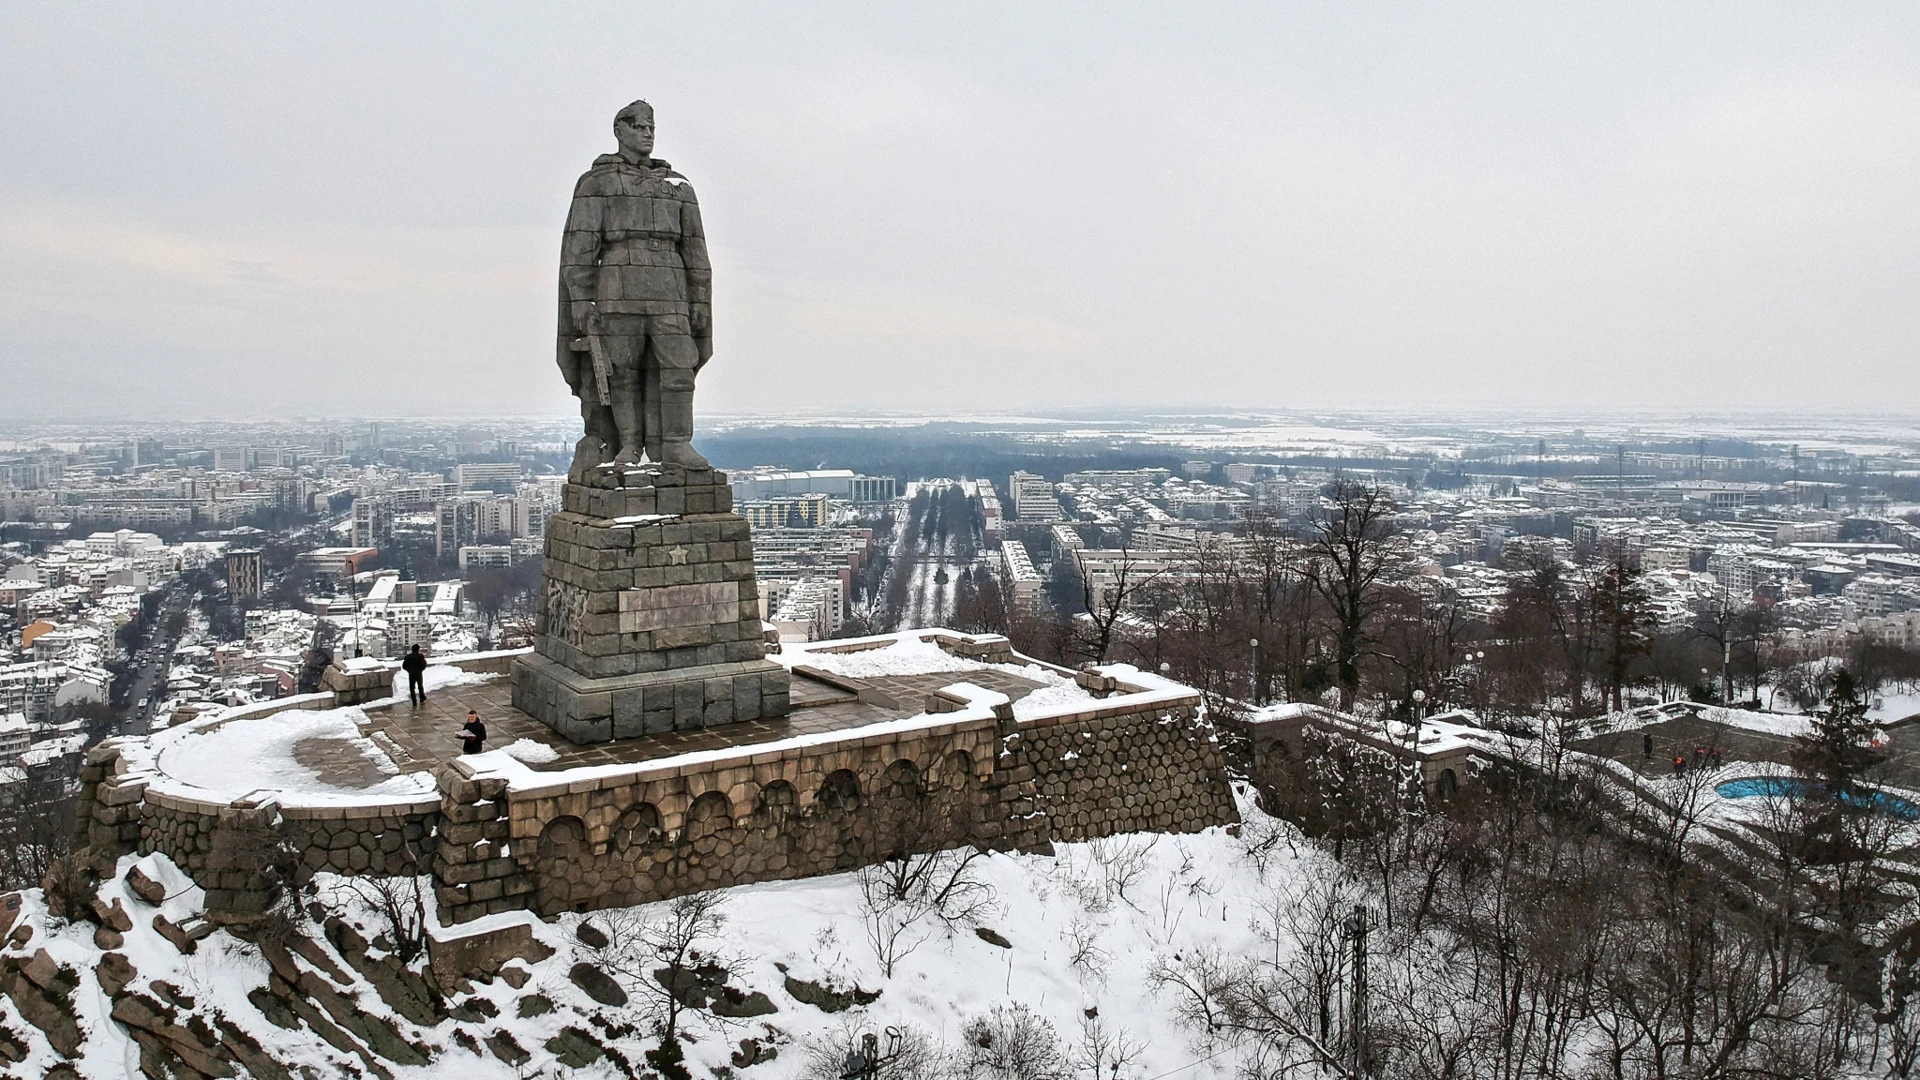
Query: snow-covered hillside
[1070,937]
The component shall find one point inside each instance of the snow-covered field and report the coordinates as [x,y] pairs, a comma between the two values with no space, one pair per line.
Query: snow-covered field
[1084,928]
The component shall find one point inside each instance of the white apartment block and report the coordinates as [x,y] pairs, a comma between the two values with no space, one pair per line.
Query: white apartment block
[476,476]
[1033,498]
[408,625]
[809,609]
[494,555]
[1023,583]
[1882,594]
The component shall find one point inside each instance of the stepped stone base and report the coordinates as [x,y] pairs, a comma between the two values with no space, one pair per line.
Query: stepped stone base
[649,611]
[590,710]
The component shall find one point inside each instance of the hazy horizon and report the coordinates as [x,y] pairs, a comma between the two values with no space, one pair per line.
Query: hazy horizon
[222,212]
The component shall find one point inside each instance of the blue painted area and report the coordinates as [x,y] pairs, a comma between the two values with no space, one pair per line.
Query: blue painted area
[1751,786]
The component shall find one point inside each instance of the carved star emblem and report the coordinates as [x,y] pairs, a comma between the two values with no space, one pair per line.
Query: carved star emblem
[678,556]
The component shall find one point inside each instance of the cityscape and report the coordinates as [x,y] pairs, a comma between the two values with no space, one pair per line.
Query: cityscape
[163,570]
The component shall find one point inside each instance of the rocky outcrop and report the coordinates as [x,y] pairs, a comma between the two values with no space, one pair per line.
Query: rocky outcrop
[43,992]
[597,984]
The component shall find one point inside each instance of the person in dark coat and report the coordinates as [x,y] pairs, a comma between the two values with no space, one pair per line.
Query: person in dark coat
[415,665]
[473,734]
[1646,745]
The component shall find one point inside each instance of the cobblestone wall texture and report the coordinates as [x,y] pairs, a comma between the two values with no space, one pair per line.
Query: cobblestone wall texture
[649,836]
[850,803]
[1156,771]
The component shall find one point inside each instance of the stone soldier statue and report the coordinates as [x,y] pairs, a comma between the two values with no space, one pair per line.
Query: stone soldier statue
[636,315]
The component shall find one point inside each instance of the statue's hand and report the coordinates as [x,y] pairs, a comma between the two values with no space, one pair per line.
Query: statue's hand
[586,318]
[700,318]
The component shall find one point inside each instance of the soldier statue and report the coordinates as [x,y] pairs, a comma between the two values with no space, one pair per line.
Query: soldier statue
[636,315]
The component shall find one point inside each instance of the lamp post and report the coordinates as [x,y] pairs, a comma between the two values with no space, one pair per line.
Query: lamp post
[1253,670]
[1356,932]
[1419,702]
[1726,667]
[865,1063]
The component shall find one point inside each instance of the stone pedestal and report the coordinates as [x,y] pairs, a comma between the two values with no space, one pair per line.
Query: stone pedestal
[649,612]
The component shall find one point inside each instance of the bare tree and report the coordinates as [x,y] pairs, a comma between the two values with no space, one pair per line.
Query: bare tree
[1353,543]
[36,826]
[1104,1052]
[1619,602]
[667,959]
[398,902]
[1110,603]
[905,899]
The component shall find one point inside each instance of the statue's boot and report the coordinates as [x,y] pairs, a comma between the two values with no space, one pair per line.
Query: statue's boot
[588,453]
[676,429]
[626,418]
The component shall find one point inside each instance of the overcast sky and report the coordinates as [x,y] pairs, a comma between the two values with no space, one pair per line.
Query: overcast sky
[295,209]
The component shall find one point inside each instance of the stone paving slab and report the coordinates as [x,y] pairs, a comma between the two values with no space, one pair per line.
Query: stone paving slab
[341,763]
[428,735]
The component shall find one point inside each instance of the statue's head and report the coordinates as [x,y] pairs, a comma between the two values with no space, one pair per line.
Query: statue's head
[633,129]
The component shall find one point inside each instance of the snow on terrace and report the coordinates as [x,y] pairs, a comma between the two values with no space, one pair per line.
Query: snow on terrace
[907,655]
[369,753]
[317,756]
[290,751]
[1443,734]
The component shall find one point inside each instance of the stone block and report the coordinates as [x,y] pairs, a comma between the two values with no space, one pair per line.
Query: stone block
[624,597]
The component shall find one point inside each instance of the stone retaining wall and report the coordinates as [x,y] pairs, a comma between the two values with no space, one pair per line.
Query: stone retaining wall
[389,839]
[1149,763]
[967,773]
[649,834]
[1105,771]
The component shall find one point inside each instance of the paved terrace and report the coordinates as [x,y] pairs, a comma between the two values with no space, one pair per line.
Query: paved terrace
[425,737]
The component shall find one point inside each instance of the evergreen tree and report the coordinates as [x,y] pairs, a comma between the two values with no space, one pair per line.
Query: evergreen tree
[1845,825]
[1621,614]
[1838,753]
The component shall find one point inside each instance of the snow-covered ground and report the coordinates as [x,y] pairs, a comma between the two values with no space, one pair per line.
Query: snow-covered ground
[248,755]
[312,752]
[1084,927]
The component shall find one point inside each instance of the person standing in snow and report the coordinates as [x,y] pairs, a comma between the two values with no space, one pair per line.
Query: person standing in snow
[415,665]
[473,733]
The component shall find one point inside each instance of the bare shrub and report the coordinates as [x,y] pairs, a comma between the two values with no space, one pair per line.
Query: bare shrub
[894,927]
[904,1052]
[1179,892]
[1101,871]
[1104,1052]
[69,886]
[943,882]
[1012,1042]
[1268,842]
[279,926]
[1085,954]
[905,901]
[400,905]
